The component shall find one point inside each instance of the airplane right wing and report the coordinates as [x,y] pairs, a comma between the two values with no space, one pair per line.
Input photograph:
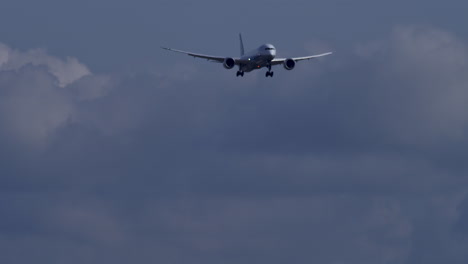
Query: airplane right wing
[279,61]
[202,56]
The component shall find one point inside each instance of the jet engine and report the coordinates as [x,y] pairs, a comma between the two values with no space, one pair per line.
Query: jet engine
[229,63]
[289,64]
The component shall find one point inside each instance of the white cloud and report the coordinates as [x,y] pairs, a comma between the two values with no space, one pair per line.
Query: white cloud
[65,70]
[34,102]
[31,105]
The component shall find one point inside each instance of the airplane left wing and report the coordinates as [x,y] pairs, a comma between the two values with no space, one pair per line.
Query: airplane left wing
[281,60]
[203,56]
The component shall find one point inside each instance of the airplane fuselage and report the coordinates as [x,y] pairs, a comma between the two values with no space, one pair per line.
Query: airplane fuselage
[258,58]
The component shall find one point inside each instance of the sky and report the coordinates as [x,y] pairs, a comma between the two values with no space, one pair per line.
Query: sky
[116,151]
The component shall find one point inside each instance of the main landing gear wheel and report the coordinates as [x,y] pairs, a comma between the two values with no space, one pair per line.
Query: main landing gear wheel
[240,73]
[269,72]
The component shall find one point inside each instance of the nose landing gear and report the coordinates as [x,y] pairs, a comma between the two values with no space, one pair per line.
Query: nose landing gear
[240,73]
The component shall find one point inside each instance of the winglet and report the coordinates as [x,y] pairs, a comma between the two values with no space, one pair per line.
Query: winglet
[241,45]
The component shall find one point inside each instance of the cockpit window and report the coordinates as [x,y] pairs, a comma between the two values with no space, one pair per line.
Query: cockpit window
[269,48]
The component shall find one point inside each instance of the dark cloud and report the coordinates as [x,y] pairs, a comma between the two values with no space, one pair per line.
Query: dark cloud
[357,158]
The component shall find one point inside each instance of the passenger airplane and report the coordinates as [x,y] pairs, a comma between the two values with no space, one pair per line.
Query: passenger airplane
[263,56]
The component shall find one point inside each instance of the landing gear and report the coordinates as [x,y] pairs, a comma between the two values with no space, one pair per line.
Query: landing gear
[240,73]
[269,72]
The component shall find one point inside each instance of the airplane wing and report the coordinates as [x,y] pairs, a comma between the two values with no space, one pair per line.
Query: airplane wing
[281,60]
[203,56]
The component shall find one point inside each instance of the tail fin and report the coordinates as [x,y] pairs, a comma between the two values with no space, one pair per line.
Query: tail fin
[241,45]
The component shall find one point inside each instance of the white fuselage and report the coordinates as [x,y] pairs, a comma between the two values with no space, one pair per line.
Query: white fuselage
[256,59]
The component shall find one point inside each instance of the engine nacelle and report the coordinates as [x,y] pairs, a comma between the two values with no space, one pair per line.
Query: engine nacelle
[289,64]
[229,63]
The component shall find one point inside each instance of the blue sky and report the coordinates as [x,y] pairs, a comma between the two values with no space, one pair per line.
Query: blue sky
[116,151]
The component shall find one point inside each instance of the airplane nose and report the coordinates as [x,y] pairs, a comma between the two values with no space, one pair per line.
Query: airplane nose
[273,53]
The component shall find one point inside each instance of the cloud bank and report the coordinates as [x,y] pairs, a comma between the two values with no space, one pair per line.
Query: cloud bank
[364,162]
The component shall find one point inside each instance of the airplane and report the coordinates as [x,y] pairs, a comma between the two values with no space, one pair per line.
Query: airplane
[263,56]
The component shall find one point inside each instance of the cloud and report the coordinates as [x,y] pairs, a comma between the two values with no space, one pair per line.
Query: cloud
[32,106]
[33,103]
[66,71]
[40,94]
[420,85]
[361,161]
